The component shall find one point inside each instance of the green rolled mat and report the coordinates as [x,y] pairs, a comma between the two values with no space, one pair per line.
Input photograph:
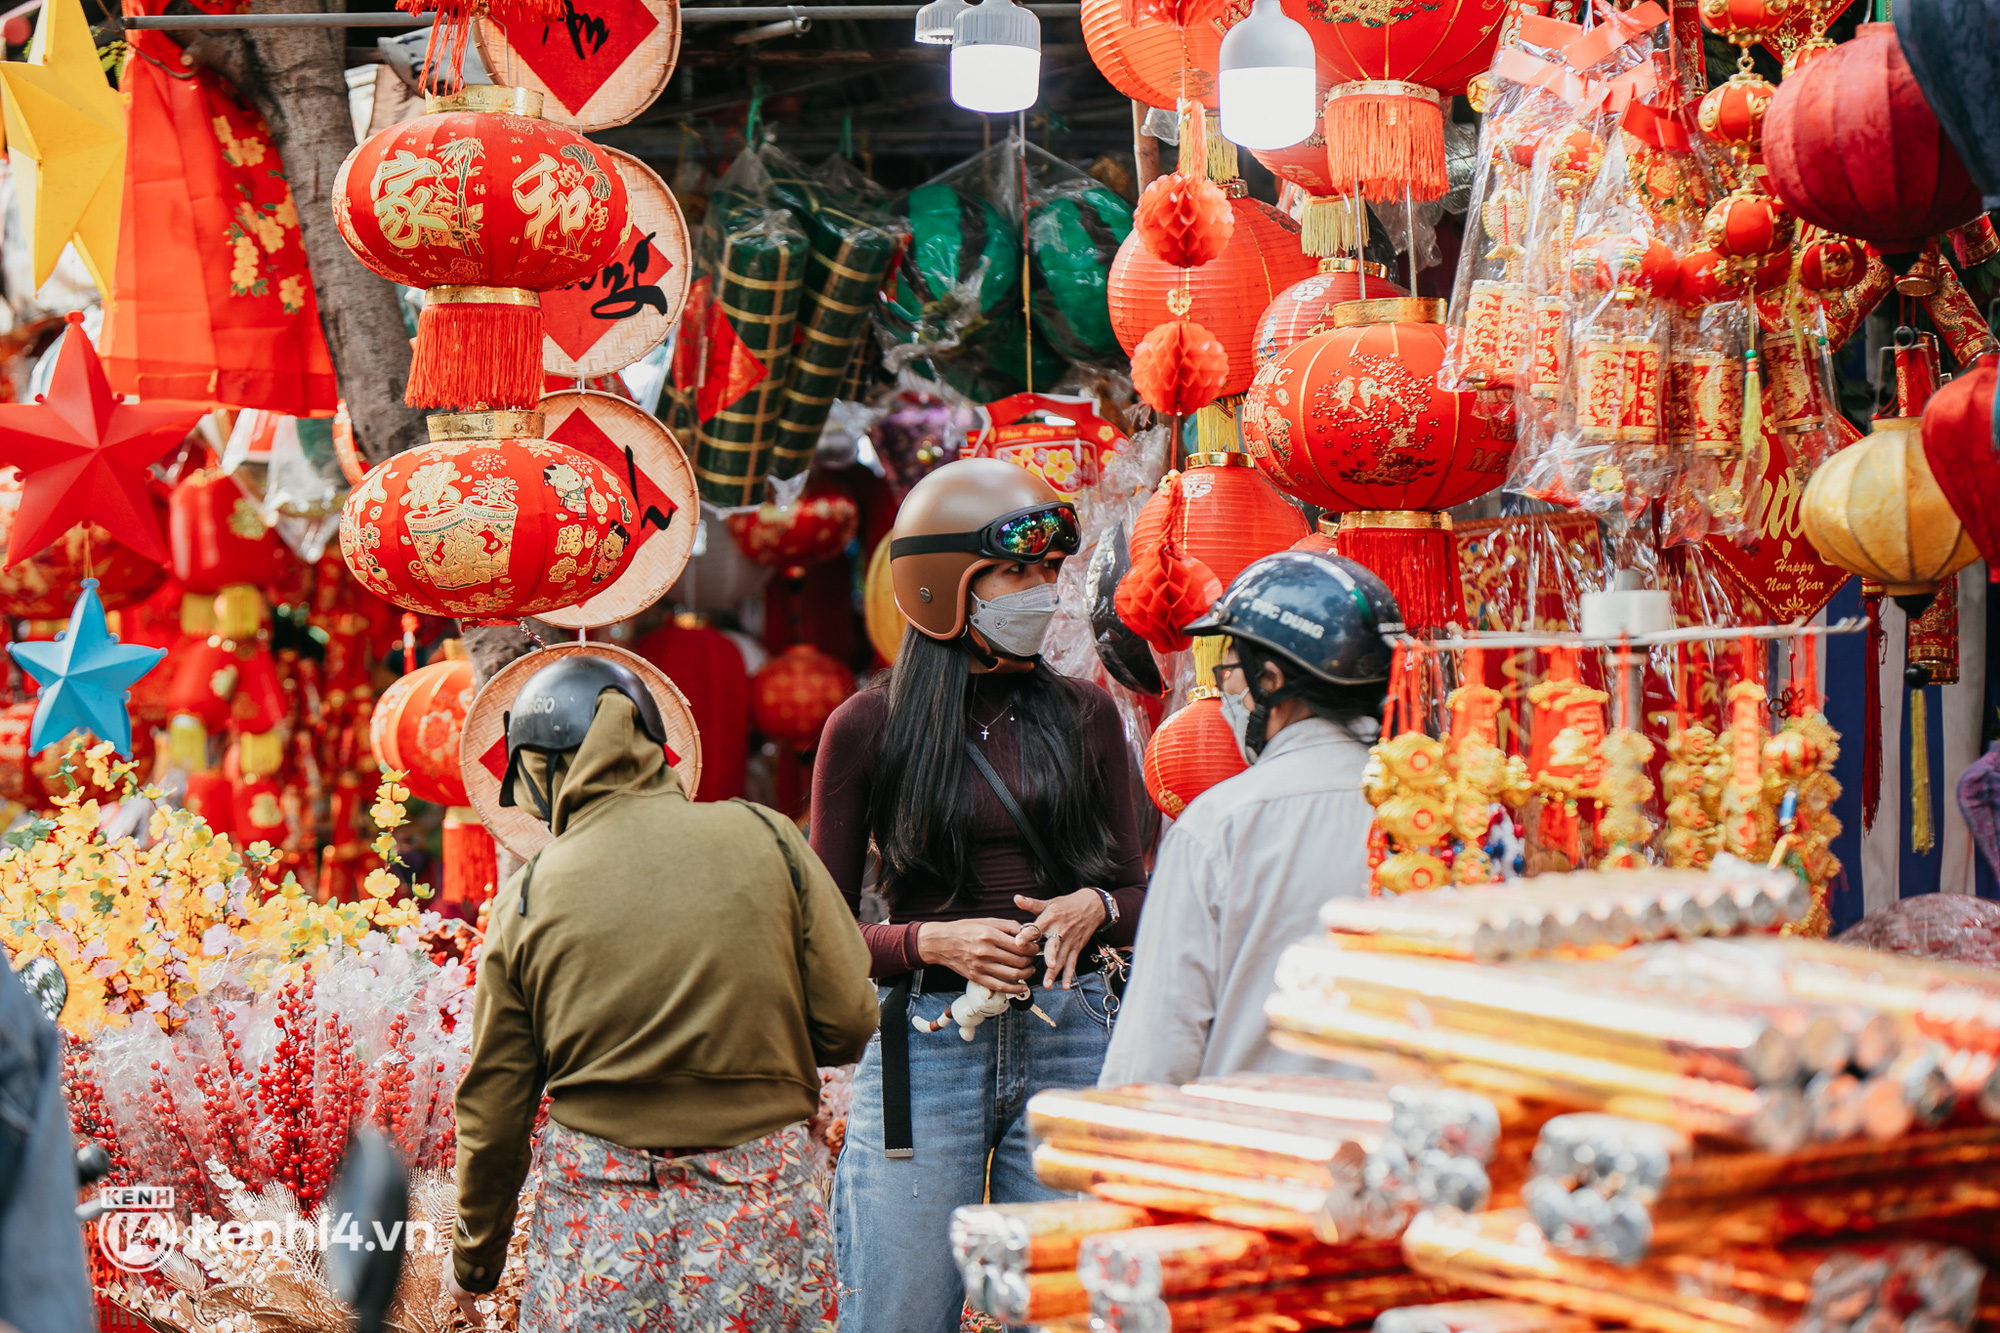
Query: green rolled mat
[1072,239]
[852,247]
[759,262]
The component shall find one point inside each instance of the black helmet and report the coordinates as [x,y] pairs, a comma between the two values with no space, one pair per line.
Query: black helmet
[553,711]
[1326,613]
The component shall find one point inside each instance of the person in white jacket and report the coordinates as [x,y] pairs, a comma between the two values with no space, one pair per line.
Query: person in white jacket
[1242,873]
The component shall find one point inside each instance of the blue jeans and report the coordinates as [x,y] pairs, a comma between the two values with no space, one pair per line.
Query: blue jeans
[892,1216]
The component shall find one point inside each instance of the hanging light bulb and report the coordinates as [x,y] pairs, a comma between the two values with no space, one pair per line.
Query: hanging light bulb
[1267,80]
[996,58]
[935,20]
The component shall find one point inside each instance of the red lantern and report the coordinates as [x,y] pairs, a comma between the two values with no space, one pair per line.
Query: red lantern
[416,725]
[1958,445]
[795,537]
[489,529]
[483,204]
[1850,145]
[1230,515]
[47,584]
[1178,368]
[1228,295]
[796,692]
[1184,220]
[1747,225]
[218,537]
[1154,63]
[1306,307]
[1831,263]
[1384,124]
[1320,539]
[1732,113]
[1707,277]
[1354,421]
[1191,752]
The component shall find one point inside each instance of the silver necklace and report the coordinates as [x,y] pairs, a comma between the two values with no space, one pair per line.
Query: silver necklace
[985,728]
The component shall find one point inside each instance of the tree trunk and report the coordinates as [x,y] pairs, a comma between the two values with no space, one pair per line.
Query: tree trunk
[294,78]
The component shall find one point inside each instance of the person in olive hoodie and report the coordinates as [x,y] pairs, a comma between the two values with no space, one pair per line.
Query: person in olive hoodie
[671,973]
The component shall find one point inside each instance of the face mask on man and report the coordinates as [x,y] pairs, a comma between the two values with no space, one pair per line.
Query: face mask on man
[1016,622]
[1236,712]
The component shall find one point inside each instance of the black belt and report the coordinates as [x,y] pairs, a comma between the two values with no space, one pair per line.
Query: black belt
[898,1138]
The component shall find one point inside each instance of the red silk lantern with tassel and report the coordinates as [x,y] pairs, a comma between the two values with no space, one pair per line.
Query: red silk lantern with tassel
[47,583]
[483,204]
[1400,65]
[793,538]
[1958,445]
[218,537]
[1830,263]
[1191,752]
[1227,296]
[1353,421]
[1306,307]
[488,528]
[471,861]
[1184,220]
[796,692]
[1851,145]
[1179,368]
[416,726]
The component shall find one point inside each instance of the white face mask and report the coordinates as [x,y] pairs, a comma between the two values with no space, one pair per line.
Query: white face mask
[1015,622]
[1236,712]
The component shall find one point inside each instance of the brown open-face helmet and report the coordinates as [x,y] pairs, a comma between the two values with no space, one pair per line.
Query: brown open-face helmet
[965,518]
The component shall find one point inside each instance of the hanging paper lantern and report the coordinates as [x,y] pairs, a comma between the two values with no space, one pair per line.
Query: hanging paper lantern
[793,538]
[218,537]
[884,620]
[1384,124]
[1191,752]
[416,726]
[483,204]
[47,583]
[1166,589]
[1747,225]
[1227,296]
[1320,539]
[1153,63]
[1179,368]
[1831,263]
[488,522]
[796,692]
[1732,113]
[1230,515]
[1875,509]
[1306,307]
[1958,446]
[1354,421]
[1952,47]
[1851,146]
[1184,220]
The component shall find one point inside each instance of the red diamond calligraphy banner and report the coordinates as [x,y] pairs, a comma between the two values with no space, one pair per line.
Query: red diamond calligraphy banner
[624,310]
[599,65]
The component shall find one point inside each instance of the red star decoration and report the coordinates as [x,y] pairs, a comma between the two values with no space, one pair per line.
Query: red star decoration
[83,454]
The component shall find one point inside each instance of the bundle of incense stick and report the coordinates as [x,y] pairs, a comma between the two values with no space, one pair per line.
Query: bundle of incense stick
[1747,1064]
[1338,1163]
[1486,1316]
[1340,1303]
[1569,914]
[1019,1259]
[1612,1188]
[1189,1258]
[1905,1286]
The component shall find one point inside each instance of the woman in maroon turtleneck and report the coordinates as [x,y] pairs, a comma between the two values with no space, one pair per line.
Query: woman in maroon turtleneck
[938,1121]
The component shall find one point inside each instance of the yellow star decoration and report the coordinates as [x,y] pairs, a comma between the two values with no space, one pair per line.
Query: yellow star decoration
[66,139]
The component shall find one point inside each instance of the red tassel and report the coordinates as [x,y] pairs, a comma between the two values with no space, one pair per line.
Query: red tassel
[1419,563]
[1871,728]
[477,354]
[1389,138]
[471,865]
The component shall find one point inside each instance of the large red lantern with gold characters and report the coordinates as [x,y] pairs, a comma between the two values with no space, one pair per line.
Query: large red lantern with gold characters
[1353,420]
[483,204]
[488,522]
[793,538]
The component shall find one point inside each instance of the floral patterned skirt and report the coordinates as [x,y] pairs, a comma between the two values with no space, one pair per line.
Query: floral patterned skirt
[626,1241]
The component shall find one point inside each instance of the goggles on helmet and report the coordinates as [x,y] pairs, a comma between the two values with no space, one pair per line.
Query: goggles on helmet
[1028,535]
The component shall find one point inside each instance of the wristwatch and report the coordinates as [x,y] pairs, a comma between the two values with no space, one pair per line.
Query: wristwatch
[1110,908]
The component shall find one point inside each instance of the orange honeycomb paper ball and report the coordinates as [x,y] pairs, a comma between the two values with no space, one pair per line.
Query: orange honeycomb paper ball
[1179,368]
[1184,220]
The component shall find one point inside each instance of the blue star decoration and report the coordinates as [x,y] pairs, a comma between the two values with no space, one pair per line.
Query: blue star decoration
[84,675]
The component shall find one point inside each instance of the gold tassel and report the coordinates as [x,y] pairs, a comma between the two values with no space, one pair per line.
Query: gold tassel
[261,753]
[1753,405]
[1328,224]
[187,742]
[1215,427]
[1203,148]
[197,615]
[239,611]
[1208,652]
[1923,836]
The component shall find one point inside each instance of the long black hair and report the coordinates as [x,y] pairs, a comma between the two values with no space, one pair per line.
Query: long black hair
[918,810]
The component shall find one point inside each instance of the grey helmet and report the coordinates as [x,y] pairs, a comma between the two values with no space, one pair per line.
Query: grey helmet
[553,711]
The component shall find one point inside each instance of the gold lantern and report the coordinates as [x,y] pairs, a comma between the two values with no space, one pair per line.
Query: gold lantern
[1874,509]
